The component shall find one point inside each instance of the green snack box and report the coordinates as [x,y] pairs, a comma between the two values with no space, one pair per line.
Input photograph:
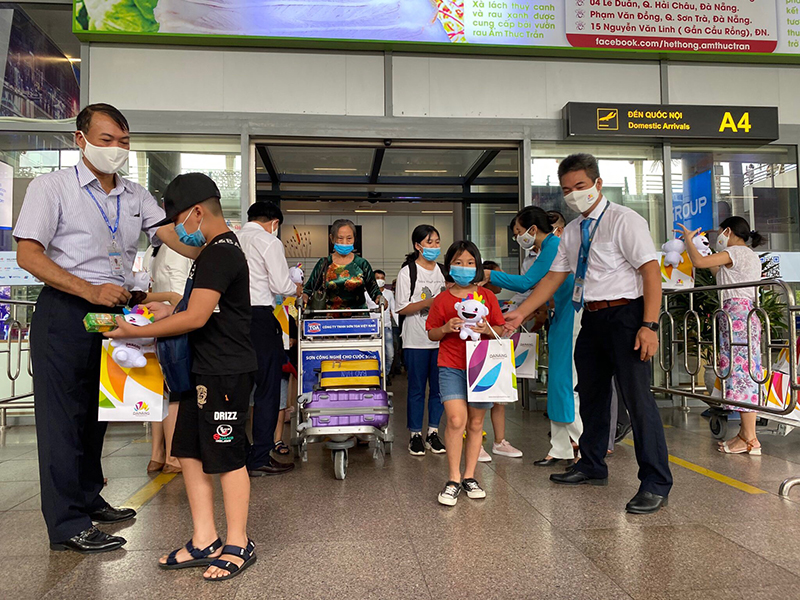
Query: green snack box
[100,322]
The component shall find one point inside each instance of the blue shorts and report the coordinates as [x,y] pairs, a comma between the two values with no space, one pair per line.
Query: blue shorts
[453,386]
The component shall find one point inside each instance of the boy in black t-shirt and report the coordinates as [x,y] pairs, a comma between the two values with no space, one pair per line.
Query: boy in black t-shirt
[210,433]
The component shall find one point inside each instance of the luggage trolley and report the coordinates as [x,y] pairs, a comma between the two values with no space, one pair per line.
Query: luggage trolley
[338,410]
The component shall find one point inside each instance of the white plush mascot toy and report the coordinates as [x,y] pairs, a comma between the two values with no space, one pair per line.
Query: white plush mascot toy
[702,244]
[672,252]
[130,353]
[674,248]
[296,274]
[472,310]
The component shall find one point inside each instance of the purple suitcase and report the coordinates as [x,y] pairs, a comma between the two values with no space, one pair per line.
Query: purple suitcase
[365,400]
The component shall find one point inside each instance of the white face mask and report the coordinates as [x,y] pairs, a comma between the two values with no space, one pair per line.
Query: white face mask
[582,200]
[273,230]
[381,283]
[722,242]
[106,159]
[526,240]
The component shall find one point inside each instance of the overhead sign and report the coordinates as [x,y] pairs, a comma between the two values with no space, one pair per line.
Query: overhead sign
[671,121]
[661,26]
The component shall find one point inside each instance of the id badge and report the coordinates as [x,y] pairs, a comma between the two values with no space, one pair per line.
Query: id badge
[115,258]
[577,291]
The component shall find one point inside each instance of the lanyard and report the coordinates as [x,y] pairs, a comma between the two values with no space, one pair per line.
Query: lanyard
[113,229]
[591,234]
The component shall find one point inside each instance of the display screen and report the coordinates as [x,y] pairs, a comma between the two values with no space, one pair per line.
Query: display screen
[664,26]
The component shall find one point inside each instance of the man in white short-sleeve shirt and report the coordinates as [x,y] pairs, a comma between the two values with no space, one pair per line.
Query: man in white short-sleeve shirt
[618,283]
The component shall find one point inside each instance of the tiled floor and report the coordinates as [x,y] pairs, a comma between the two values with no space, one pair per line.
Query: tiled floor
[381,534]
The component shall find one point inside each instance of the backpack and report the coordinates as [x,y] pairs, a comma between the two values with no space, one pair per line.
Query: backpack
[412,274]
[175,353]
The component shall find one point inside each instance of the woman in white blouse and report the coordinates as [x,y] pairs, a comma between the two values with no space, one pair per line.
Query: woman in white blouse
[736,262]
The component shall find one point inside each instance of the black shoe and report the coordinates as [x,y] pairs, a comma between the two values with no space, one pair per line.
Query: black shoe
[622,431]
[90,541]
[416,446]
[575,477]
[273,467]
[109,514]
[551,462]
[645,503]
[434,444]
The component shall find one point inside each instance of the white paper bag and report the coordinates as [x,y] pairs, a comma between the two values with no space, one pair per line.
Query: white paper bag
[491,375]
[526,354]
[131,394]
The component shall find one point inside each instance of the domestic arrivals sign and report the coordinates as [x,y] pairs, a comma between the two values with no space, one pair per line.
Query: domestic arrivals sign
[767,27]
[671,121]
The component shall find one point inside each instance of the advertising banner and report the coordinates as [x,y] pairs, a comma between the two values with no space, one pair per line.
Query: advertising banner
[312,363]
[693,208]
[665,26]
[342,327]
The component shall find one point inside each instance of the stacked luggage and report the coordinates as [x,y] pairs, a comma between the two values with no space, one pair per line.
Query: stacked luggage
[349,400]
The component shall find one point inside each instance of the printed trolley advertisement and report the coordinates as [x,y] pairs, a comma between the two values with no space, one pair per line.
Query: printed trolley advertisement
[731,26]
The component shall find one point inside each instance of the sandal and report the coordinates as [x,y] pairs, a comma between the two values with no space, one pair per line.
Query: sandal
[248,554]
[200,558]
[282,449]
[750,447]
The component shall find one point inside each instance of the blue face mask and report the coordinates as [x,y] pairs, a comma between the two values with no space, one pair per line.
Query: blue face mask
[343,249]
[463,276]
[431,253]
[196,239]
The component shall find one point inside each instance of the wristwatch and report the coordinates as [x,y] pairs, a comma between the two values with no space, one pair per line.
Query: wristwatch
[650,325]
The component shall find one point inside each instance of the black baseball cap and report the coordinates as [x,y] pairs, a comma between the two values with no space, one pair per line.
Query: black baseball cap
[184,192]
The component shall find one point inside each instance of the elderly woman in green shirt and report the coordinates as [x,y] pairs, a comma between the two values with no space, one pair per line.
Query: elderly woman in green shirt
[343,275]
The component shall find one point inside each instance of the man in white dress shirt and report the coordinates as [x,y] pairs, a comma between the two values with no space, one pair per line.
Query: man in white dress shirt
[78,232]
[269,277]
[618,283]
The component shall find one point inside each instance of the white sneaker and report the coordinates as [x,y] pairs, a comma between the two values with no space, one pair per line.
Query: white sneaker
[484,456]
[473,489]
[506,449]
[449,495]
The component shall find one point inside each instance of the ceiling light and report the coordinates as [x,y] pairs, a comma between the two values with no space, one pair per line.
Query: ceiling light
[302,210]
[514,172]
[73,60]
[334,169]
[437,212]
[426,170]
[506,212]
[370,211]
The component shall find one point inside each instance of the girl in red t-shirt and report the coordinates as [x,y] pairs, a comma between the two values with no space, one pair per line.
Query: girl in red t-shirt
[464,267]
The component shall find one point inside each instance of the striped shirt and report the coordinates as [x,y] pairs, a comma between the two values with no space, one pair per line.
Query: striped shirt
[59,213]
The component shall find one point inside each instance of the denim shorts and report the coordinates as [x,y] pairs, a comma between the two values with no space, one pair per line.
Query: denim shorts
[453,386]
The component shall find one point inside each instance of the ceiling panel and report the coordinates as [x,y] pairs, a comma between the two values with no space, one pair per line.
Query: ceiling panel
[428,163]
[321,162]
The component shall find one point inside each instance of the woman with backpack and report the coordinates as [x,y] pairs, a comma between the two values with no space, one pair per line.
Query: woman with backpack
[420,279]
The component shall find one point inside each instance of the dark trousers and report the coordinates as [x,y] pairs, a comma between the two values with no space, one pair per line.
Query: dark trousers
[605,349]
[268,342]
[66,379]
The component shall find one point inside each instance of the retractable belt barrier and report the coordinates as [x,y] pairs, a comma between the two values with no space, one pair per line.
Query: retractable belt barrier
[15,344]
[685,326]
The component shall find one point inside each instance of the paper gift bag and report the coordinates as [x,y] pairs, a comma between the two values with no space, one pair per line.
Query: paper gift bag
[491,376]
[131,394]
[526,354]
[778,386]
